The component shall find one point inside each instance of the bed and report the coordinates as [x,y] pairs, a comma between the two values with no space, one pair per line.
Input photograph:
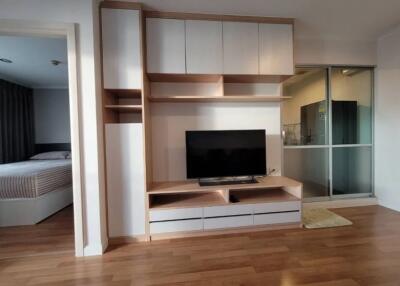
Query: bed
[32,190]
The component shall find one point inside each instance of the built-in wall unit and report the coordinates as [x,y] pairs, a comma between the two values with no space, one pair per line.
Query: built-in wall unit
[167,73]
[328,131]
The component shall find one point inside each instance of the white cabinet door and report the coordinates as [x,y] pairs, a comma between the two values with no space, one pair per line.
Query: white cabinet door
[276,49]
[122,68]
[125,179]
[240,42]
[203,47]
[165,45]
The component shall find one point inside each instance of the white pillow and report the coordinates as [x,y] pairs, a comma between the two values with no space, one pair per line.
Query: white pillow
[54,155]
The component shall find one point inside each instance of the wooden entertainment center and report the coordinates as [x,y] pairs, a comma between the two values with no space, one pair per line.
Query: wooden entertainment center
[151,57]
[185,206]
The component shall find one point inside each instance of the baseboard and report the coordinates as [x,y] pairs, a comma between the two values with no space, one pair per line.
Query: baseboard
[342,203]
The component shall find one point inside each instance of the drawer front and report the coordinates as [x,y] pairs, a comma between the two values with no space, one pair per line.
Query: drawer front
[162,215]
[176,225]
[277,207]
[226,222]
[277,218]
[228,210]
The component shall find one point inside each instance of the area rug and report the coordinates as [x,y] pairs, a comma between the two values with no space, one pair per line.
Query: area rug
[322,218]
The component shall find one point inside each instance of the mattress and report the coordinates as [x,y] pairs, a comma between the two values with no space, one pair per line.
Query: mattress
[33,178]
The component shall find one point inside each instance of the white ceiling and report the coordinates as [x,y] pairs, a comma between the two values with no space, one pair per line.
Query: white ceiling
[328,19]
[31,58]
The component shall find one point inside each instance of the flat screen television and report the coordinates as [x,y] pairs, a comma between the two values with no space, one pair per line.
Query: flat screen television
[225,153]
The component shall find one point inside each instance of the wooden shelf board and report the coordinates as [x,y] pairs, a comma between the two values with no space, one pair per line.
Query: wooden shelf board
[159,77]
[255,78]
[184,200]
[125,108]
[217,17]
[193,185]
[262,196]
[228,78]
[228,98]
[124,93]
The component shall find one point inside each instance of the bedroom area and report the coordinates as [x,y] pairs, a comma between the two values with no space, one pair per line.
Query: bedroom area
[36,193]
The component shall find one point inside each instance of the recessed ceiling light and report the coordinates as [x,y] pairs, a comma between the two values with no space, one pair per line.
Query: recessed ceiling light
[7,61]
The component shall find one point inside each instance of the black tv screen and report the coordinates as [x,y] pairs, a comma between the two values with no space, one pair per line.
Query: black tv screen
[225,153]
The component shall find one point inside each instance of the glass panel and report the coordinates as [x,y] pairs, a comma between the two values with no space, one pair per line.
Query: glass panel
[351,105]
[304,116]
[352,172]
[309,166]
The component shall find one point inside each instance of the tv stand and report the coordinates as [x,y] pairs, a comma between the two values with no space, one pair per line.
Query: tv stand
[204,182]
[183,208]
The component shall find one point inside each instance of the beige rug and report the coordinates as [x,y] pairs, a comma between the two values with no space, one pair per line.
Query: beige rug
[322,218]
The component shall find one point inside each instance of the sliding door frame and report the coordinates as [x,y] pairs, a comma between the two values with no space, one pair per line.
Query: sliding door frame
[329,146]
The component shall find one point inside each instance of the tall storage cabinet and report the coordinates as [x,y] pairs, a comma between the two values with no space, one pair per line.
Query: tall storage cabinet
[121,49]
[125,179]
[123,108]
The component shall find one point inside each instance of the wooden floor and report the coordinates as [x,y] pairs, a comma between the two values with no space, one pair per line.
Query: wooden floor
[367,253]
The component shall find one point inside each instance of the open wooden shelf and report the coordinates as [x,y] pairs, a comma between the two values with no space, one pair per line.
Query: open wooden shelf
[262,195]
[183,200]
[160,77]
[227,78]
[228,98]
[124,93]
[124,108]
[193,185]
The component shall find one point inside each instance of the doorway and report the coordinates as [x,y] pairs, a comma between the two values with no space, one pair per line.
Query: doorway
[67,31]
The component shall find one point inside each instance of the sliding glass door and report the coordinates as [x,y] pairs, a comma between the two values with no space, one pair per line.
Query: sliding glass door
[327,131]
[306,131]
[351,92]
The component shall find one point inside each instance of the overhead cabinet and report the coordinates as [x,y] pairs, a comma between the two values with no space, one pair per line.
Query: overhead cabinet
[177,46]
[240,42]
[203,47]
[165,46]
[121,43]
[276,49]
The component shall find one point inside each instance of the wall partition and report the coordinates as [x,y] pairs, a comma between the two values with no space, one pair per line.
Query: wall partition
[328,131]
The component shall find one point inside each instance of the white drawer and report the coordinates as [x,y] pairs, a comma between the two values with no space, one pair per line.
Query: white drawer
[277,218]
[162,215]
[277,207]
[226,222]
[228,210]
[176,225]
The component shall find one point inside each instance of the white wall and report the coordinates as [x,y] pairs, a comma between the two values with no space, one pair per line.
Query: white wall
[83,13]
[387,121]
[51,109]
[334,51]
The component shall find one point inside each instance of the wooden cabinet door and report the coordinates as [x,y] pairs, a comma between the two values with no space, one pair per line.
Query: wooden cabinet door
[276,49]
[165,46]
[240,42]
[122,68]
[203,47]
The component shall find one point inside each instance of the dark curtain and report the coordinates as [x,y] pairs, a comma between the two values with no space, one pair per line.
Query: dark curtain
[16,122]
